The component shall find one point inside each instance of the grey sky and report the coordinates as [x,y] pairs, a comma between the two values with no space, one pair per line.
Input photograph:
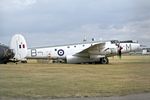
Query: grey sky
[51,22]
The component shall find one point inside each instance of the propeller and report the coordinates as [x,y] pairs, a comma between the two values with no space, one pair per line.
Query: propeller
[119,48]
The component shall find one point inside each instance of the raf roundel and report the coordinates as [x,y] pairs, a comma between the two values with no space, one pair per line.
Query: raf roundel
[60,52]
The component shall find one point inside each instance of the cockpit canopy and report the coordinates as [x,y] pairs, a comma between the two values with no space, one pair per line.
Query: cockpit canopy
[114,41]
[126,41]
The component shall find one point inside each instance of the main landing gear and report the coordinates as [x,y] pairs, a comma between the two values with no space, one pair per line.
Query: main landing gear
[104,60]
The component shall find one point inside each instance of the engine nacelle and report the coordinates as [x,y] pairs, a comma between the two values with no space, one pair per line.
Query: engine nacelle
[75,59]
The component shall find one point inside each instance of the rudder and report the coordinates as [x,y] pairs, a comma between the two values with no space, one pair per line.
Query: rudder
[19,46]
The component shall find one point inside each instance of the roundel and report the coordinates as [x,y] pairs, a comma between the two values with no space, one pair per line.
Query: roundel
[60,52]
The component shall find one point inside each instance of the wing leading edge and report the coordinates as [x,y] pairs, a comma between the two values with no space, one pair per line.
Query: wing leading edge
[95,49]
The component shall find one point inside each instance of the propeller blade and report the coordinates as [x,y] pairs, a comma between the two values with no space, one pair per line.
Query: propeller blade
[119,50]
[119,53]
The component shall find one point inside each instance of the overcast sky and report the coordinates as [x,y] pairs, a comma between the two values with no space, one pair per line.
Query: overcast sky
[51,22]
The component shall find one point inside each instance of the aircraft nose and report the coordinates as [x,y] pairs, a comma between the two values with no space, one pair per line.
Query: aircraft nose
[137,46]
[141,46]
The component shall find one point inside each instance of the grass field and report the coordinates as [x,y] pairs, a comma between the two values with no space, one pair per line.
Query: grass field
[129,75]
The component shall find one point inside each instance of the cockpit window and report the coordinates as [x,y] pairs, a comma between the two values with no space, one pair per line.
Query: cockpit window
[128,41]
[114,41]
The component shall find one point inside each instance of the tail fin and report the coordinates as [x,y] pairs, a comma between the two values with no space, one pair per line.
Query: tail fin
[19,46]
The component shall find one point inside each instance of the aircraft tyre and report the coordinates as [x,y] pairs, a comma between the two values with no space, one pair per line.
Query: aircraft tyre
[5,62]
[23,61]
[104,60]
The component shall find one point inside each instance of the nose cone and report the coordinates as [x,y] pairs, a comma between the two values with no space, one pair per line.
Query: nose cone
[142,46]
[137,46]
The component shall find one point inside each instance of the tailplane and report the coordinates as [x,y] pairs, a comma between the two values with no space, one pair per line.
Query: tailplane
[19,46]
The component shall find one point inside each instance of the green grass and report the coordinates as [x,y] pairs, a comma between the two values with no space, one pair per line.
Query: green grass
[129,75]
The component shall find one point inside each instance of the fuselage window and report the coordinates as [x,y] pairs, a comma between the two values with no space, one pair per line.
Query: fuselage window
[20,46]
[68,47]
[55,49]
[75,46]
[23,46]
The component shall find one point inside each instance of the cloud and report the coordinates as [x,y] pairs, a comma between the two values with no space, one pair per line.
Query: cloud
[68,21]
[136,30]
[8,5]
[24,2]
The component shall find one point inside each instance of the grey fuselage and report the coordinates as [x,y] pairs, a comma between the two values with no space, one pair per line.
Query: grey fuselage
[5,54]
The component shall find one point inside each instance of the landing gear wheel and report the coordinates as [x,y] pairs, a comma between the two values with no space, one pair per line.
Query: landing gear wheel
[23,61]
[5,62]
[104,60]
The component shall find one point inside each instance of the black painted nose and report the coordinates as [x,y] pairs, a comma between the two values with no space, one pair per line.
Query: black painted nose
[9,53]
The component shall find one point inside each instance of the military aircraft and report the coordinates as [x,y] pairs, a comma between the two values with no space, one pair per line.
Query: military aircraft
[89,52]
[17,50]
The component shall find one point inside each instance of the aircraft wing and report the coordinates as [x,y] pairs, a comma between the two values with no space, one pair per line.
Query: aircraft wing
[95,49]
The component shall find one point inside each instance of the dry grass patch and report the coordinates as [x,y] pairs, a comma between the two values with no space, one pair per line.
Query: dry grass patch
[120,77]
